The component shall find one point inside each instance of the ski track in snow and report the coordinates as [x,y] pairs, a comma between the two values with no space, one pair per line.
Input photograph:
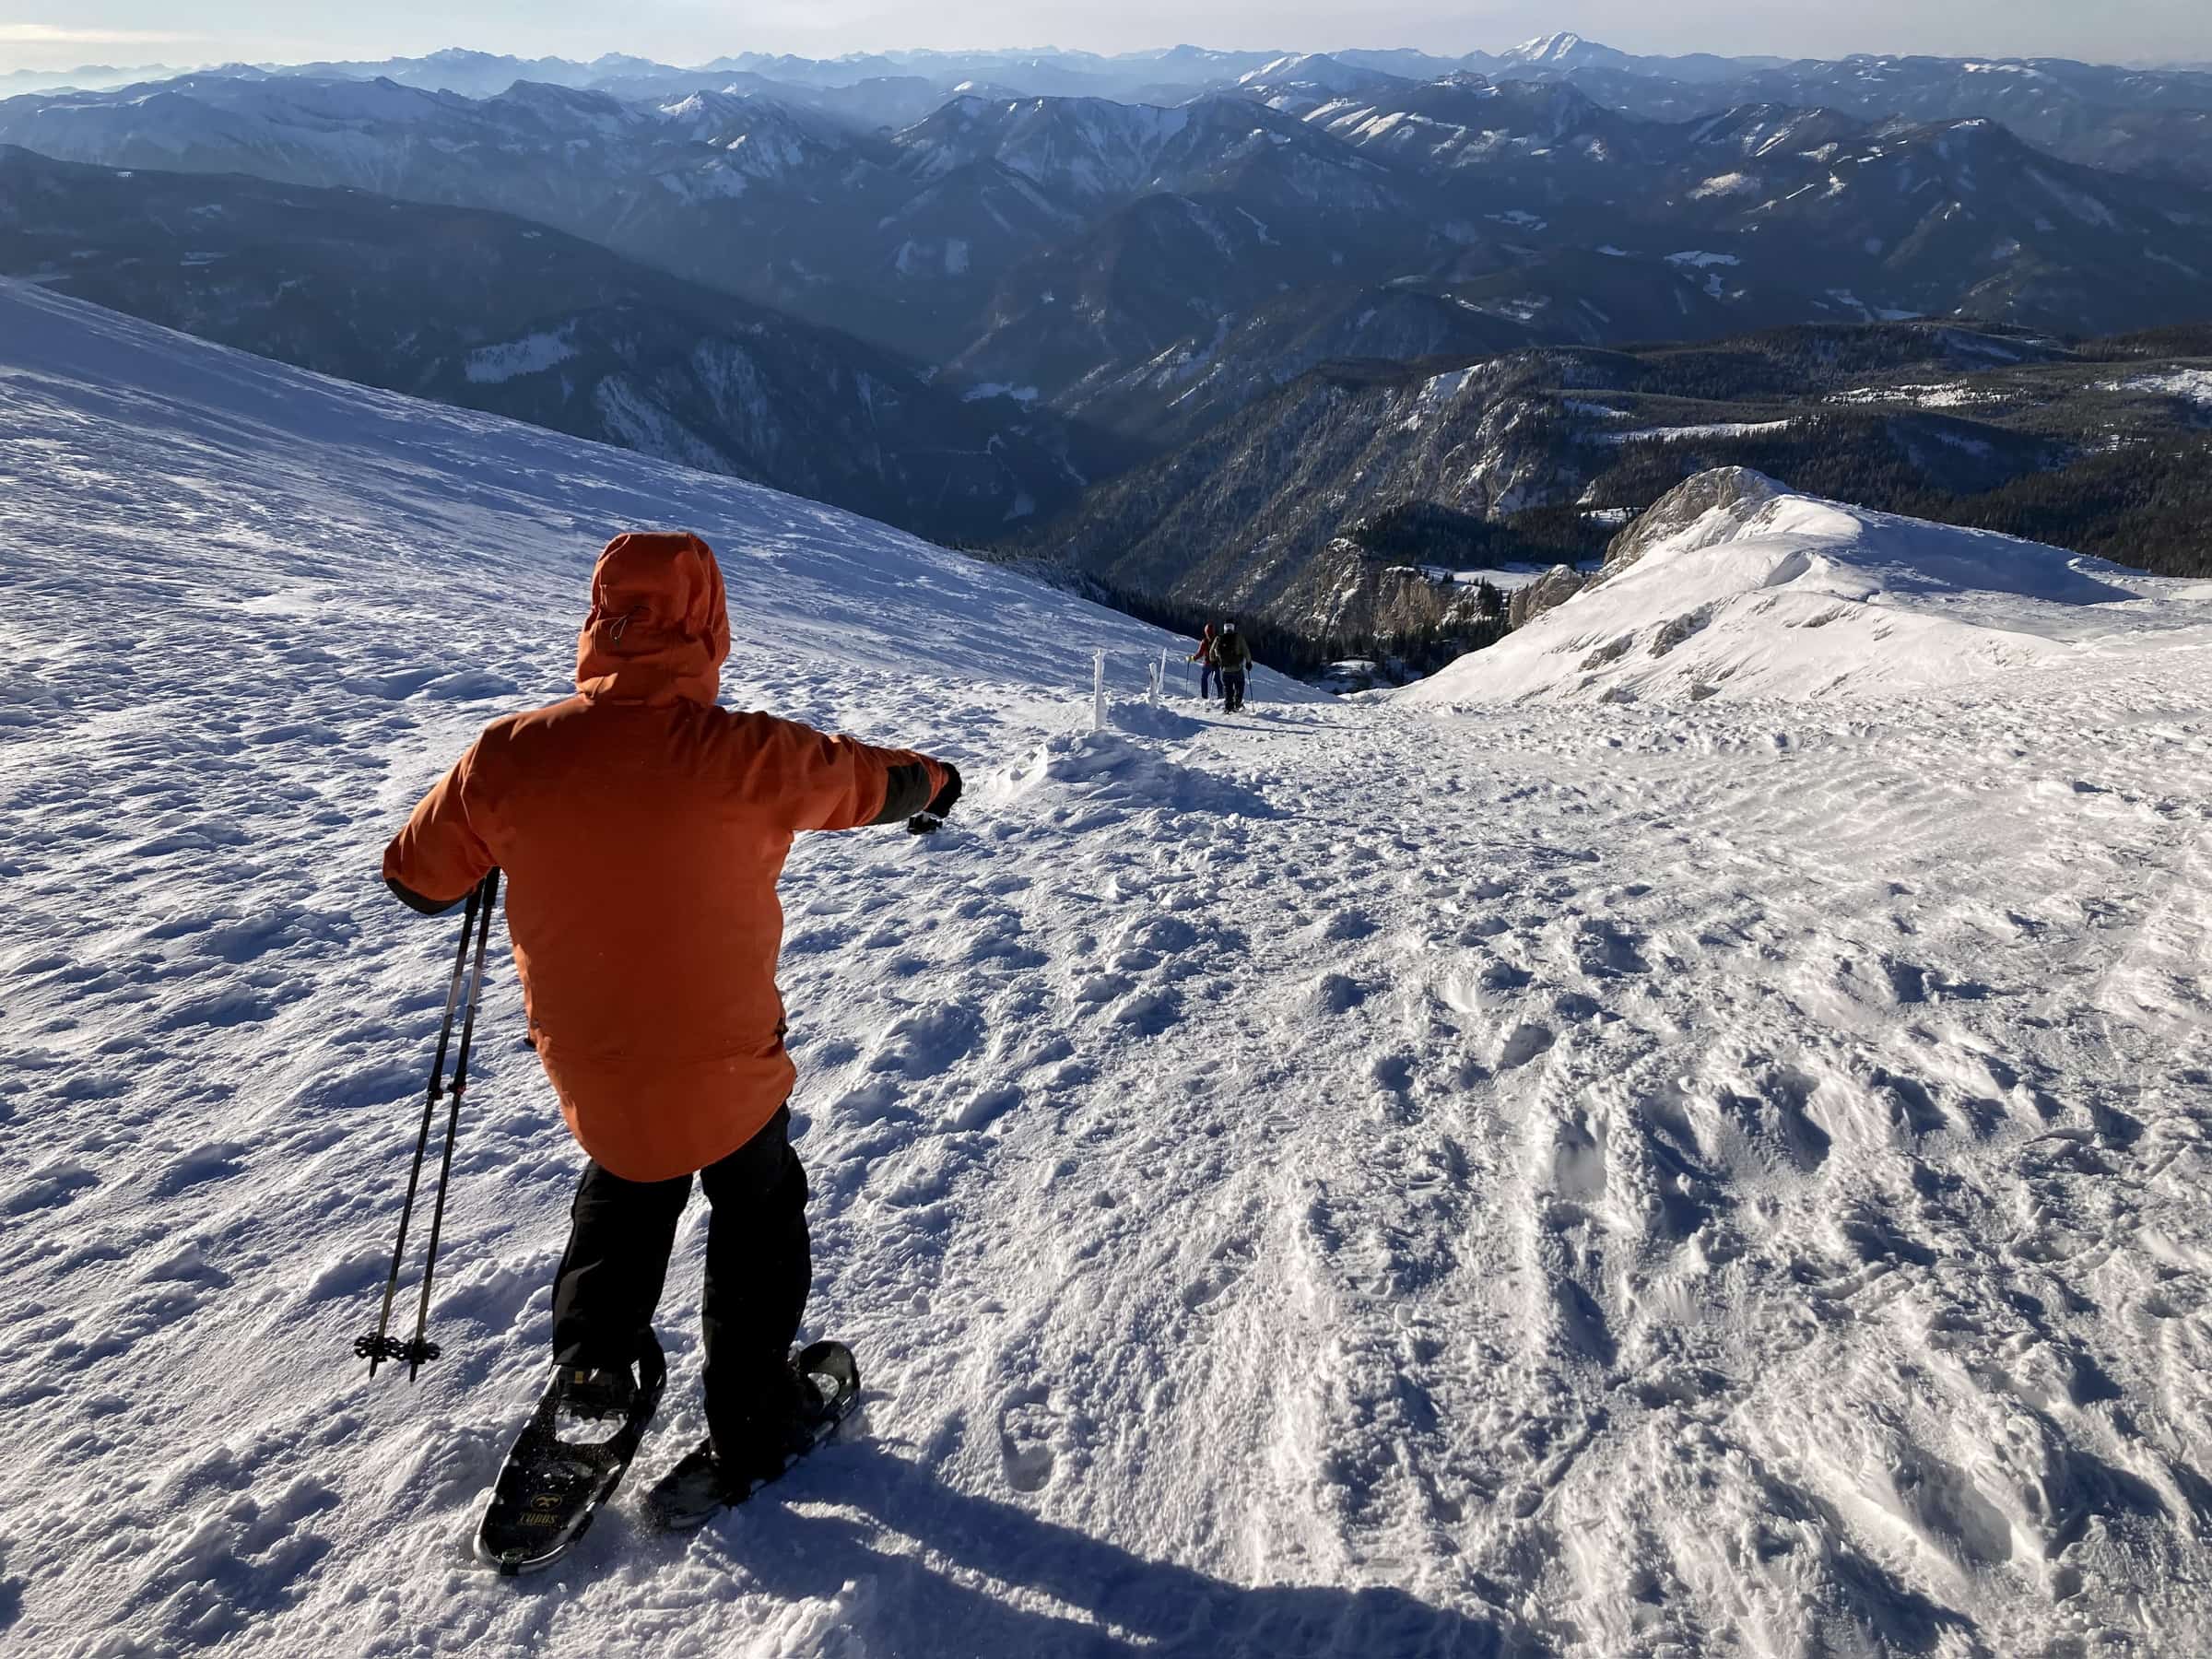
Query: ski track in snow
[1586,1181]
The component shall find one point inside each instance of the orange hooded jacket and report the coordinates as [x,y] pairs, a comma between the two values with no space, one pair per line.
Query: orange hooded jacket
[641,830]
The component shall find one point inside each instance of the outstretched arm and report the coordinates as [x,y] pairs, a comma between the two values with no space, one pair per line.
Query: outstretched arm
[812,781]
[438,858]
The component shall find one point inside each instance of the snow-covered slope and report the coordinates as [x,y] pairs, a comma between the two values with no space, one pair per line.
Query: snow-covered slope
[1733,586]
[1346,1181]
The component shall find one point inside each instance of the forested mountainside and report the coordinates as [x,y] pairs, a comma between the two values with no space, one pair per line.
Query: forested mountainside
[1538,456]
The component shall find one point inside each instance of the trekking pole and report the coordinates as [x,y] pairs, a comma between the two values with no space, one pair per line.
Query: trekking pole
[381,1347]
[421,1348]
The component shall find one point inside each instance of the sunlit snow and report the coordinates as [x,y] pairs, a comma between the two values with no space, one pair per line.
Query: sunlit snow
[1358,1179]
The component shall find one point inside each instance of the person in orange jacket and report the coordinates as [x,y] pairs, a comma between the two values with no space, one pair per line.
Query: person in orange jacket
[642,828]
[1204,658]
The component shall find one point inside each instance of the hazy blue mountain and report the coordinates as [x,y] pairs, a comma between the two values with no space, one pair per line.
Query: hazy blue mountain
[496,314]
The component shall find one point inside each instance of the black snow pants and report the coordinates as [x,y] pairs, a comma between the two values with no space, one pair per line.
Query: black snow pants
[1232,689]
[760,1267]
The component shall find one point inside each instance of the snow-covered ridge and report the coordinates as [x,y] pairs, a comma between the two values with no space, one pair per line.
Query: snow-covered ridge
[1734,586]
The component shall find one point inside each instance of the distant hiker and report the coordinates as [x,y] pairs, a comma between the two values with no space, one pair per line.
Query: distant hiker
[1204,658]
[642,828]
[1232,657]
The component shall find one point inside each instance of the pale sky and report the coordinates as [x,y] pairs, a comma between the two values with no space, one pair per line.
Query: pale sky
[45,35]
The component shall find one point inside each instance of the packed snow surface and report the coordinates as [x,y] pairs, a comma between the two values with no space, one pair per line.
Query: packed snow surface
[1348,1180]
[1793,598]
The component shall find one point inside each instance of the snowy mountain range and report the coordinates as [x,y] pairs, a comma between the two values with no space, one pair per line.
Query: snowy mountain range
[1072,264]
[933,239]
[493,313]
[1701,1175]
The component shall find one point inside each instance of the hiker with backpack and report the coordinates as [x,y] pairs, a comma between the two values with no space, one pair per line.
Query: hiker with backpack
[1232,660]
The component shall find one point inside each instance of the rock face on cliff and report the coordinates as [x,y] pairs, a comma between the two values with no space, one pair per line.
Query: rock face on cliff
[1712,505]
[1549,592]
[1257,513]
[1696,512]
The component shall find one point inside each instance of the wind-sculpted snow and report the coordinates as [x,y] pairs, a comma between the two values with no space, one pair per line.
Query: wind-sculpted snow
[1345,1181]
[1759,593]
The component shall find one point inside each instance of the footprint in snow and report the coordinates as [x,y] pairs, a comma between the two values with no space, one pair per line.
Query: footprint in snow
[1001,942]
[49,1188]
[1344,925]
[1577,1164]
[1149,1012]
[217,1161]
[924,1179]
[927,1040]
[230,1006]
[1522,1044]
[1393,1074]
[1583,1323]
[1102,988]
[870,1103]
[1480,986]
[1601,949]
[1226,1265]
[1337,994]
[1788,1097]
[1162,936]
[1908,1101]
[980,1110]
[1027,1426]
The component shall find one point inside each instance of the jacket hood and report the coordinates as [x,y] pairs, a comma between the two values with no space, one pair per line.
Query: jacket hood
[659,629]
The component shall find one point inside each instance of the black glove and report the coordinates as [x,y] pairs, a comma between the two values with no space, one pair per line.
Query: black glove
[932,817]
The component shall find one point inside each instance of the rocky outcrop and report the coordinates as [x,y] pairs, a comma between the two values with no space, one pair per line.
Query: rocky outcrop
[1732,493]
[1258,512]
[1726,496]
[1549,592]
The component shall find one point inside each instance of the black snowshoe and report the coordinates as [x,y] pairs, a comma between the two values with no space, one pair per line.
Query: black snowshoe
[700,1487]
[568,1461]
